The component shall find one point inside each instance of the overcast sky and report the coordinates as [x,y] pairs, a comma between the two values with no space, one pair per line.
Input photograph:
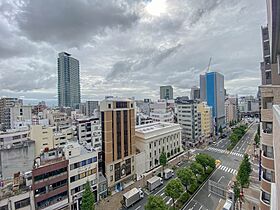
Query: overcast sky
[129,48]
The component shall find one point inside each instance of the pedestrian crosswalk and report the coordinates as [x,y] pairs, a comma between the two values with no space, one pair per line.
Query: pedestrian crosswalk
[227,169]
[224,151]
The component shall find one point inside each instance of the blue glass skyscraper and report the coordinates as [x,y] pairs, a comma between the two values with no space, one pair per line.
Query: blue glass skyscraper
[212,91]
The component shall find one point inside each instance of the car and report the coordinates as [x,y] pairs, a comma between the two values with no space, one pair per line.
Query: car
[217,162]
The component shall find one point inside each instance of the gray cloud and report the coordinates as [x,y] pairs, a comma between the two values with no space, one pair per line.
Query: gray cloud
[71,22]
[125,51]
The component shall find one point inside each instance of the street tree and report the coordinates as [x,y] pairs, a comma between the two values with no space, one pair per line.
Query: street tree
[174,189]
[155,203]
[87,198]
[221,131]
[206,161]
[197,168]
[163,160]
[187,177]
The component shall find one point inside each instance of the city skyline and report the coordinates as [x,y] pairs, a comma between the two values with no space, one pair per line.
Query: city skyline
[173,47]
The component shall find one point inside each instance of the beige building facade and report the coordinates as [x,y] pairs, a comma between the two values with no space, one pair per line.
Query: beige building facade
[206,119]
[118,141]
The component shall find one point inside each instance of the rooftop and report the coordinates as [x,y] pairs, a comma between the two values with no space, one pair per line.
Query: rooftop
[157,126]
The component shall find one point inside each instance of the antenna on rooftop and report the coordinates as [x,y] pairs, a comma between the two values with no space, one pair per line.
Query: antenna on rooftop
[208,68]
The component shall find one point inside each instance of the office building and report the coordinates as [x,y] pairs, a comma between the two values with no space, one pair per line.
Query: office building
[190,120]
[212,91]
[206,119]
[153,139]
[82,168]
[231,109]
[50,180]
[166,92]
[118,141]
[195,93]
[68,81]
[270,95]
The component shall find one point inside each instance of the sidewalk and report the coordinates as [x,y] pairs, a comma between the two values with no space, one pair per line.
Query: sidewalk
[114,201]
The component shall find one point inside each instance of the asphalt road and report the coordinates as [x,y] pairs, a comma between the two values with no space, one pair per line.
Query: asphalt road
[230,162]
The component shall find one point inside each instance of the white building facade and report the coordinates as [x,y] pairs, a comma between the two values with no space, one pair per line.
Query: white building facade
[89,132]
[83,167]
[190,120]
[153,139]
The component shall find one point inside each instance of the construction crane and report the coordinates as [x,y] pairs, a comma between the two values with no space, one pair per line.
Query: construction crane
[208,68]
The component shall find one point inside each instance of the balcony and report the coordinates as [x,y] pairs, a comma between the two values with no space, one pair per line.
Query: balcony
[267,162]
[264,204]
[265,184]
[267,115]
[267,138]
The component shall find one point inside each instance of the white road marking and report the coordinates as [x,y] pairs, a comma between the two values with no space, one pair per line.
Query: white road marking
[169,201]
[200,208]
[162,194]
[138,207]
[209,195]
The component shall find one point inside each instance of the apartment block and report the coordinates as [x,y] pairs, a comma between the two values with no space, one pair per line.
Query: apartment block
[270,97]
[5,105]
[153,139]
[118,141]
[50,180]
[89,131]
[82,168]
[16,194]
[17,152]
[206,119]
[195,93]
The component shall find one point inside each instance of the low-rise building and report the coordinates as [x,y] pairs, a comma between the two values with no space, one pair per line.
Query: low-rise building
[206,119]
[162,117]
[83,168]
[17,152]
[89,131]
[50,180]
[153,139]
[16,194]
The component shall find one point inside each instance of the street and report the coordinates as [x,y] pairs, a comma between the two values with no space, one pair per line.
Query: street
[230,161]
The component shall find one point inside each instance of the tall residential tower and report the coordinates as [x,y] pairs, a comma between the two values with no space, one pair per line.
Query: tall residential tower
[166,92]
[68,81]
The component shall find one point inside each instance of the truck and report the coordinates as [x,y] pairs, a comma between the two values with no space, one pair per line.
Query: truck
[132,196]
[154,182]
[168,173]
[228,205]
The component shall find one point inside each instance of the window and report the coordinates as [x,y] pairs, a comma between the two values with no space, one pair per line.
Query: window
[4,207]
[22,203]
[69,153]
[111,178]
[109,106]
[84,162]
[111,167]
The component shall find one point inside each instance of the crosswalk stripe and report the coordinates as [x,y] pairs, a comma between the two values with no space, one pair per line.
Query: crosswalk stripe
[169,201]
[219,166]
[231,170]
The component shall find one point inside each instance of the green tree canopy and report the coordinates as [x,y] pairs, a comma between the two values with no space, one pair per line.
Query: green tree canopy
[197,168]
[155,203]
[186,176]
[87,198]
[174,189]
[205,160]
